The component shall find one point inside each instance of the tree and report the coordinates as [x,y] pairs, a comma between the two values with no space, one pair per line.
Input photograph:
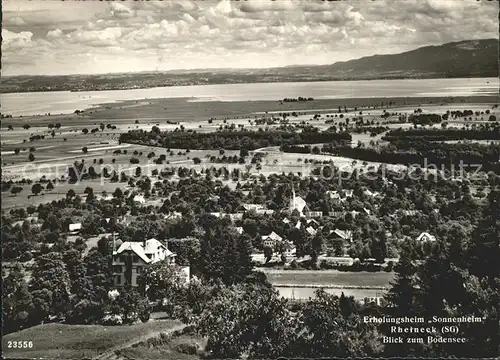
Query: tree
[403,294]
[131,305]
[85,149]
[316,246]
[341,334]
[118,193]
[16,190]
[162,282]
[31,157]
[17,151]
[70,194]
[17,301]
[36,188]
[268,253]
[51,285]
[247,319]
[49,186]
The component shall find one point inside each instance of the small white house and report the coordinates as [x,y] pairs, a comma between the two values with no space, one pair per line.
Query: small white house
[75,228]
[425,236]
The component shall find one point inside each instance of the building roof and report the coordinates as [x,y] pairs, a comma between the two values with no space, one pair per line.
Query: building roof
[347,234]
[311,231]
[152,246]
[75,226]
[286,221]
[425,236]
[239,230]
[308,221]
[333,194]
[272,236]
[252,206]
[136,247]
[297,203]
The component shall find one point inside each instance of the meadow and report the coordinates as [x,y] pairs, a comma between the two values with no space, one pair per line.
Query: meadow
[59,341]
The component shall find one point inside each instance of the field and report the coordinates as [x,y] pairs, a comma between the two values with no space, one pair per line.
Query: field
[57,341]
[53,155]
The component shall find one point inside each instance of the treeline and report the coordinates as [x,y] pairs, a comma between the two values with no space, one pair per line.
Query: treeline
[300,98]
[230,140]
[442,134]
[425,153]
[425,119]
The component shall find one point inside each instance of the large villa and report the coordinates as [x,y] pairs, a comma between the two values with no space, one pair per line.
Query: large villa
[132,257]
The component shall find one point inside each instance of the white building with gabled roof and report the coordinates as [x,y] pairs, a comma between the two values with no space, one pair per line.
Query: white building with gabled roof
[132,257]
[271,240]
[425,236]
[297,203]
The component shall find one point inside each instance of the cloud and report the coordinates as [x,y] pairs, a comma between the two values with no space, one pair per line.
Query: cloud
[171,34]
[12,40]
[120,10]
[54,34]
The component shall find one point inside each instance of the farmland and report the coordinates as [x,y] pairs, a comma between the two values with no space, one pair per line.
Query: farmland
[53,154]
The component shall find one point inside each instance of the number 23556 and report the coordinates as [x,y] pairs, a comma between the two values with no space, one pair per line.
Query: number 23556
[19,344]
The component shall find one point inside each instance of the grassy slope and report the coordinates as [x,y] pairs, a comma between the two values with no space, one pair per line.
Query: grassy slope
[58,341]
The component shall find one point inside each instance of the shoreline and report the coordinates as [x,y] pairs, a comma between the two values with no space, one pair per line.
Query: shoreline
[319,105]
[262,81]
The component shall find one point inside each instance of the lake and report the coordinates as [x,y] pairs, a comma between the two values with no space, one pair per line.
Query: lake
[39,103]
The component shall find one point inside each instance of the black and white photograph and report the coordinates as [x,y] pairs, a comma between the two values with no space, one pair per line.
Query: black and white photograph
[250,179]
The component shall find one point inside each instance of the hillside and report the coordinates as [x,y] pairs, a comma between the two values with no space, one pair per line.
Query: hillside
[470,58]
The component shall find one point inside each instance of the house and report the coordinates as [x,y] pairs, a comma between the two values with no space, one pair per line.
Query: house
[348,193]
[311,231]
[314,214]
[249,207]
[75,228]
[132,257]
[425,236]
[354,213]
[297,203]
[334,195]
[239,230]
[286,221]
[173,216]
[377,300]
[264,212]
[271,240]
[139,199]
[341,234]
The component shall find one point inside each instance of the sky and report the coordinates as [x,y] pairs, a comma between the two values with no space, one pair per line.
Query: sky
[92,37]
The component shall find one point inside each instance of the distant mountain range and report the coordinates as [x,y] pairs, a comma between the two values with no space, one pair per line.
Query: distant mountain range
[469,58]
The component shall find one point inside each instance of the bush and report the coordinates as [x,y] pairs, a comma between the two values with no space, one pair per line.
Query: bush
[112,320]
